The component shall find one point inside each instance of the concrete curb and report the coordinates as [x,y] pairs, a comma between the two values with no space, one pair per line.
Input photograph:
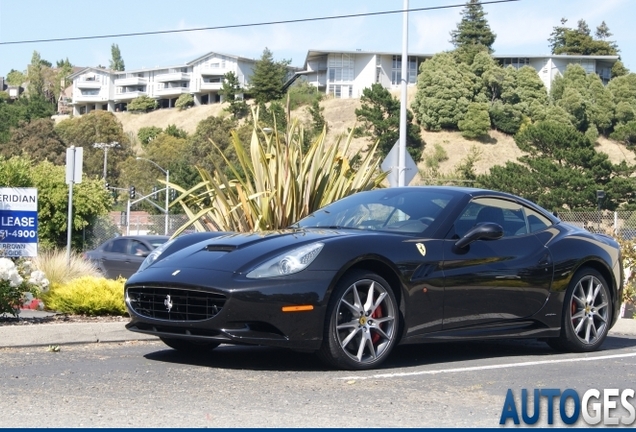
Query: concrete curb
[69,333]
[78,333]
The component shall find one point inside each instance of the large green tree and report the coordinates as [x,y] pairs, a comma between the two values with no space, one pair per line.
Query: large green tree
[97,127]
[473,33]
[37,140]
[579,41]
[116,60]
[444,90]
[562,170]
[268,78]
[379,113]
[230,92]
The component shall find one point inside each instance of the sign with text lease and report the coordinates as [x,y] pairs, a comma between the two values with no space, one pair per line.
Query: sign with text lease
[18,222]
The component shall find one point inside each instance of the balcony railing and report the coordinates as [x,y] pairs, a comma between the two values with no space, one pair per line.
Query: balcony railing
[129,95]
[130,81]
[172,76]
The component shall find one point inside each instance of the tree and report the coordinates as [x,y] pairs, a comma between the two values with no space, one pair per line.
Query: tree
[116,60]
[230,92]
[64,69]
[90,200]
[16,78]
[562,170]
[602,32]
[444,90]
[36,140]
[379,113]
[476,122]
[35,76]
[268,78]
[564,40]
[473,33]
[97,127]
[200,150]
[147,134]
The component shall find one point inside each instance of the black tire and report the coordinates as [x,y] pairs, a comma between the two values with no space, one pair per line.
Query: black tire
[587,313]
[188,346]
[360,334]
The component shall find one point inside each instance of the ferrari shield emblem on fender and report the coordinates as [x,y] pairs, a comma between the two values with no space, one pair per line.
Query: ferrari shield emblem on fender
[421,248]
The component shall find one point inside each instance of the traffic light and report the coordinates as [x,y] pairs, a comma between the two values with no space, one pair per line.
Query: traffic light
[154,192]
[132,192]
[106,185]
[172,194]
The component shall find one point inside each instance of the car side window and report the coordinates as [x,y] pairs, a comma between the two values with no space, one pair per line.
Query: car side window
[138,248]
[536,221]
[119,246]
[509,215]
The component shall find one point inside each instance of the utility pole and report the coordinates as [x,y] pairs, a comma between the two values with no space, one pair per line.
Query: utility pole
[405,60]
[105,147]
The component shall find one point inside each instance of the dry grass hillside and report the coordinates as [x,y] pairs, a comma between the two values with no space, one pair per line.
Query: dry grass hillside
[340,116]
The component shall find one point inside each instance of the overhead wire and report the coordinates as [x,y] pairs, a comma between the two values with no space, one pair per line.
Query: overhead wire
[257,24]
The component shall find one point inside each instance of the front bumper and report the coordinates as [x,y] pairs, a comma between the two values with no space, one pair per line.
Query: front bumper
[237,310]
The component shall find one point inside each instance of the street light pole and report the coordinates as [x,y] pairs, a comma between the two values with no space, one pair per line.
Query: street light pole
[105,147]
[167,173]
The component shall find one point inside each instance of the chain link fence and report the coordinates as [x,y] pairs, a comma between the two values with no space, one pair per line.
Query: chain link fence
[141,223]
[620,223]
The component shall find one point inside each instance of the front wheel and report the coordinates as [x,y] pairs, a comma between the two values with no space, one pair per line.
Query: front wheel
[188,346]
[362,322]
[586,313]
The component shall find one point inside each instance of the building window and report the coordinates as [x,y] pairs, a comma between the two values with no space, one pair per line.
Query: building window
[90,92]
[340,68]
[396,70]
[515,62]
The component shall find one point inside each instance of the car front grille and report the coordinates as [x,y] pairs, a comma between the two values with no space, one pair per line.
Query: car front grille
[174,304]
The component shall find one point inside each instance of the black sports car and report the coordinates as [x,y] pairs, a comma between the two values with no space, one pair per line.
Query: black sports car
[378,268]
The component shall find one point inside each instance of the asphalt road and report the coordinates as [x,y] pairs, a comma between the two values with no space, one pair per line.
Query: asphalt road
[145,384]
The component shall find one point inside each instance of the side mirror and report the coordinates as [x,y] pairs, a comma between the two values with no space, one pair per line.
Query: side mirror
[483,231]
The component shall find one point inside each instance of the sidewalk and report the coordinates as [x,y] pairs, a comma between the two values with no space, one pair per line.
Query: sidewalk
[12,336]
[77,333]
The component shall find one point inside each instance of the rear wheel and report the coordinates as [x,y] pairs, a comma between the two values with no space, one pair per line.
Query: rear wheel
[189,346]
[586,313]
[362,322]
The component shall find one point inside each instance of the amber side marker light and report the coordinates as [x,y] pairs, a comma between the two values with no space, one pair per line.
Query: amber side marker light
[300,308]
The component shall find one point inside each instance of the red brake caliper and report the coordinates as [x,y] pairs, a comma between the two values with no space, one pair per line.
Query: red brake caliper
[376,314]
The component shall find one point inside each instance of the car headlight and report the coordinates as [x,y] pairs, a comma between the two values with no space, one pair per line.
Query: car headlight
[154,255]
[287,263]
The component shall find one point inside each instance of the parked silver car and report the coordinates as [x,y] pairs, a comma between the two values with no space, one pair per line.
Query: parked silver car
[122,256]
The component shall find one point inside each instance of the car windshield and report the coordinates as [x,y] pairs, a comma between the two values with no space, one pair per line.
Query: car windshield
[395,210]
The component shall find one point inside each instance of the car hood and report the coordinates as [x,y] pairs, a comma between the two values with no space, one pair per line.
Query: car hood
[240,252]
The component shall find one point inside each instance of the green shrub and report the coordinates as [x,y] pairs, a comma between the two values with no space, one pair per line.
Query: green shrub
[505,118]
[476,122]
[148,133]
[87,295]
[184,101]
[142,104]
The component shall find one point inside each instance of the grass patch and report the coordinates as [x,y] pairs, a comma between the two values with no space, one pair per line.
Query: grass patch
[53,264]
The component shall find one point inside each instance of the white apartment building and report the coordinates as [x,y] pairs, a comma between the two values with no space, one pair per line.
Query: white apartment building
[344,74]
[102,89]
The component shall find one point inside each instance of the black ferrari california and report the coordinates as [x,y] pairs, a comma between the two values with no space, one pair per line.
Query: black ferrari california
[380,268]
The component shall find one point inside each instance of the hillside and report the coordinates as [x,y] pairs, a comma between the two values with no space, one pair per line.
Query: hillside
[340,116]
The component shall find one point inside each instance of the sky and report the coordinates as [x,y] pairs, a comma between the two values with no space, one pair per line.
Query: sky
[522,28]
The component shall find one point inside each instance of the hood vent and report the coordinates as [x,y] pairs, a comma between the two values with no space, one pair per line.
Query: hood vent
[220,248]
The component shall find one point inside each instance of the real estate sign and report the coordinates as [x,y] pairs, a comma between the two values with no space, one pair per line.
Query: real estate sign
[18,222]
